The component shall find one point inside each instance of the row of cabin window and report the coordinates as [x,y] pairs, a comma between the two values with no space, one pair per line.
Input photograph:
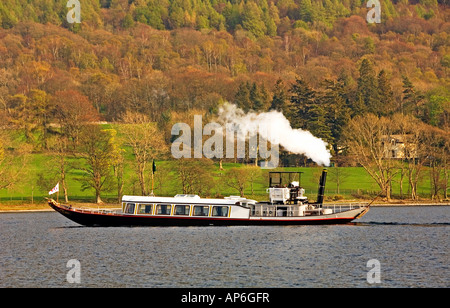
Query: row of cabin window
[165,209]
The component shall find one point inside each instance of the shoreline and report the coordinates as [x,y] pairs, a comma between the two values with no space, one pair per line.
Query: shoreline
[44,208]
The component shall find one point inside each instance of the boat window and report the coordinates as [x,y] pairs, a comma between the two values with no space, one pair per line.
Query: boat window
[220,211]
[201,210]
[145,209]
[182,209]
[163,209]
[129,209]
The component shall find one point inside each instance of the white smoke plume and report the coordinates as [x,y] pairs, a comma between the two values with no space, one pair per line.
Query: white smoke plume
[274,127]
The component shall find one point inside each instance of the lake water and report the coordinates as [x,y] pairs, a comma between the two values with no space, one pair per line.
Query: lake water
[411,245]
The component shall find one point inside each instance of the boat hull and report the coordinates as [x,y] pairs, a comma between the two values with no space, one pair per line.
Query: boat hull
[99,219]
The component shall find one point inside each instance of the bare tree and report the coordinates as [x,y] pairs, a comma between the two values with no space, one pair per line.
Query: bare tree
[146,142]
[414,153]
[194,175]
[117,161]
[338,174]
[96,150]
[13,160]
[367,137]
[437,143]
[162,178]
[238,178]
[57,165]
[255,174]
[73,111]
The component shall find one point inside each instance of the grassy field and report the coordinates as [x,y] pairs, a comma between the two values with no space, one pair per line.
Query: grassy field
[355,183]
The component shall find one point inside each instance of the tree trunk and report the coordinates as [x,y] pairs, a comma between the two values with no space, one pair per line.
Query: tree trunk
[141,176]
[97,197]
[66,196]
[413,190]
[63,180]
[387,191]
[402,174]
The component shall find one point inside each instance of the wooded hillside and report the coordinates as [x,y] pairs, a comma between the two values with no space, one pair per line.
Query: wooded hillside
[318,61]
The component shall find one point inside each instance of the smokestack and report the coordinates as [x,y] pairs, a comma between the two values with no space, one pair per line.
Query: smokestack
[320,194]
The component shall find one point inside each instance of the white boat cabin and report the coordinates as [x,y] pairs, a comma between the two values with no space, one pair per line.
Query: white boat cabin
[187,206]
[228,207]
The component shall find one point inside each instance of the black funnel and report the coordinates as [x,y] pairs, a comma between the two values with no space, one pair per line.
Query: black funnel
[320,194]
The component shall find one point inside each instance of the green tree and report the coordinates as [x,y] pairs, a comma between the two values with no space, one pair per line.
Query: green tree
[317,121]
[242,96]
[306,11]
[128,21]
[307,111]
[303,97]
[268,16]
[258,97]
[7,18]
[152,14]
[411,98]
[280,99]
[232,15]
[367,88]
[338,110]
[436,108]
[385,94]
[252,20]
[428,2]
[176,17]
[445,61]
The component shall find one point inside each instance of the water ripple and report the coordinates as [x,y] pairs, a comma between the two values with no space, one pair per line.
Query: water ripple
[35,248]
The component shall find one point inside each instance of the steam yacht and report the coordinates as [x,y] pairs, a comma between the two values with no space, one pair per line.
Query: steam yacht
[287,205]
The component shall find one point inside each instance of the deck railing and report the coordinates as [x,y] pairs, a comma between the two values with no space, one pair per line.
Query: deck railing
[277,210]
[93,210]
[342,207]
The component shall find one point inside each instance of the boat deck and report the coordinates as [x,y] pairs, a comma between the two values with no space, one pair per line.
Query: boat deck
[266,209]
